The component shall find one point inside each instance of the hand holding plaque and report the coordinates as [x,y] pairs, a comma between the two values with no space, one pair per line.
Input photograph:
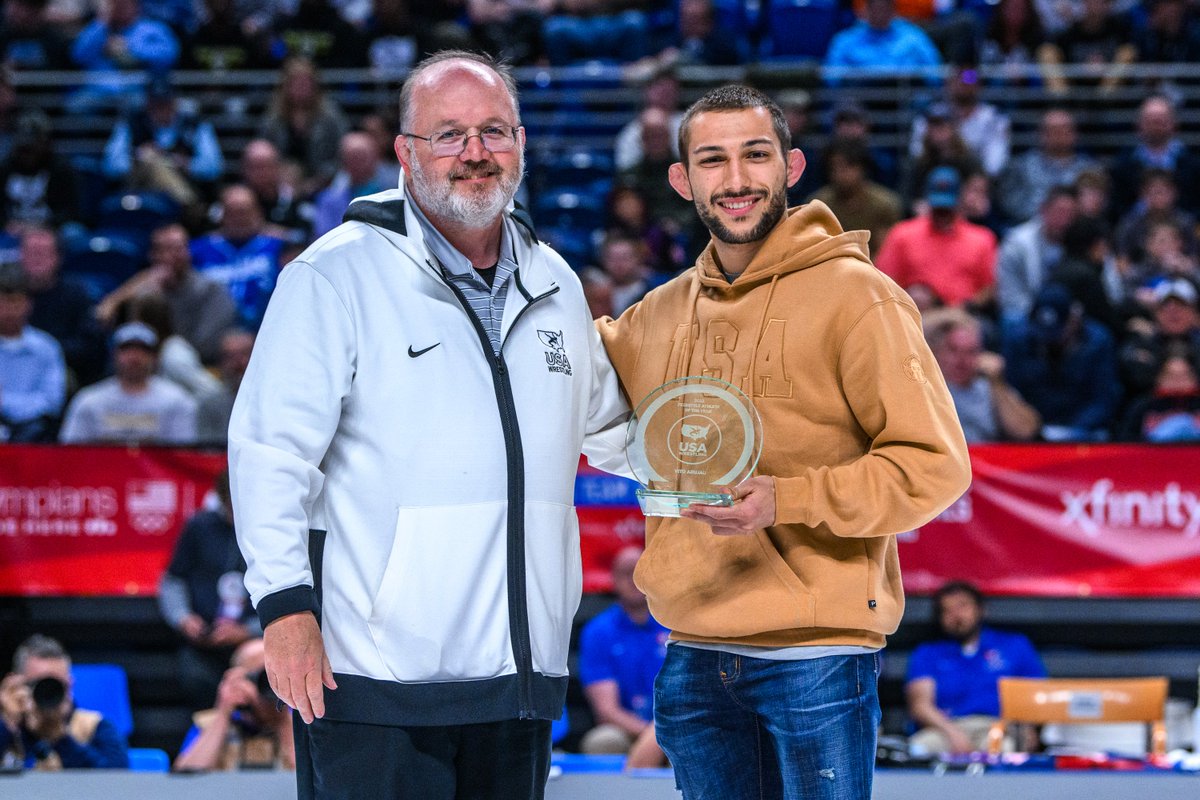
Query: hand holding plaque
[688,440]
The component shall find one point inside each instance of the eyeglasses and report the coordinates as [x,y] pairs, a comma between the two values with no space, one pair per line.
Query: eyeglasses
[451,142]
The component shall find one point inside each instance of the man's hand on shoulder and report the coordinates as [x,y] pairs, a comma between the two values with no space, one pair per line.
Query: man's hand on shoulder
[753,508]
[296,664]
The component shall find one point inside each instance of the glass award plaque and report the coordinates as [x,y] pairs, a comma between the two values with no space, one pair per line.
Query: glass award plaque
[690,439]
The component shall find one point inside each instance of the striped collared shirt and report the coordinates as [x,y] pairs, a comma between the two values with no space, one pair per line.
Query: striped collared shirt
[487,302]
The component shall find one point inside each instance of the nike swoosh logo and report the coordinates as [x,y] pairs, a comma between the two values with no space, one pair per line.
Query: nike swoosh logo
[414,353]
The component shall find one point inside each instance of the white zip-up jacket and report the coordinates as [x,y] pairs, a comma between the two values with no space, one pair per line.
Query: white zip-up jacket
[414,490]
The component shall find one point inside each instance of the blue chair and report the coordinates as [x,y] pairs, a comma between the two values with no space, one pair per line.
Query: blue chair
[137,212]
[148,759]
[104,688]
[571,209]
[103,262]
[802,29]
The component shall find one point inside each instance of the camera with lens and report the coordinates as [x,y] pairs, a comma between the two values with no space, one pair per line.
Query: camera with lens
[48,693]
[265,692]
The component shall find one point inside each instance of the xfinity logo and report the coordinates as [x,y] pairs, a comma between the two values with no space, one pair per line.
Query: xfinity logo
[1094,509]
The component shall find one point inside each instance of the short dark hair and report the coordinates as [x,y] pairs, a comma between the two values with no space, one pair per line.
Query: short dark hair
[733,97]
[38,646]
[957,587]
[852,151]
[1060,190]
[1081,236]
[496,65]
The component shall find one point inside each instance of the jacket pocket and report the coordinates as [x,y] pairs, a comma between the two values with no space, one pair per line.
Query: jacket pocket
[441,613]
[554,582]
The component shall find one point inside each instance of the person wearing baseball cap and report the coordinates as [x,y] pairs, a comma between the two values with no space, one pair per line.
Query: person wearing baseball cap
[1175,326]
[953,257]
[134,405]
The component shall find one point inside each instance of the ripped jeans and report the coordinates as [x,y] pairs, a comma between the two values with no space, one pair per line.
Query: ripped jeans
[739,728]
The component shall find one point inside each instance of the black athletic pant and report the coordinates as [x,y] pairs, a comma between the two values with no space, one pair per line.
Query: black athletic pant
[507,760]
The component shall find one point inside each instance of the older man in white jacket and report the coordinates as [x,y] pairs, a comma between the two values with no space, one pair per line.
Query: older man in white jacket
[403,452]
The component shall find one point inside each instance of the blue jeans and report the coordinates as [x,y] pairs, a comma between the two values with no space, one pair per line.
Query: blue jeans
[738,728]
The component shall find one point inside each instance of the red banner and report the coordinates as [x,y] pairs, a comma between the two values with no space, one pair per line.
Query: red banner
[1053,520]
[95,520]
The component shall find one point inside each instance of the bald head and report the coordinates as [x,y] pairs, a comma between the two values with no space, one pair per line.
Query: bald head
[448,67]
[359,157]
[1156,121]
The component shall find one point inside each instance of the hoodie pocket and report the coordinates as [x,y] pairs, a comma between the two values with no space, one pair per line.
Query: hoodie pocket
[702,584]
[441,612]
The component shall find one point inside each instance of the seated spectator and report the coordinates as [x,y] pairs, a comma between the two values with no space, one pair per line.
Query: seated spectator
[33,373]
[119,41]
[1030,176]
[620,653]
[581,30]
[661,92]
[940,146]
[623,260]
[1064,364]
[37,187]
[165,149]
[42,727]
[598,291]
[201,309]
[975,203]
[1157,202]
[1170,33]
[953,257]
[62,307]
[212,418]
[304,124]
[858,202]
[852,122]
[658,153]
[240,255]
[1011,38]
[698,41]
[135,405]
[796,105]
[1171,413]
[881,41]
[984,129]
[951,688]
[359,175]
[178,361]
[382,128]
[1175,328]
[1099,40]
[226,40]
[1165,258]
[1031,251]
[662,240]
[248,729]
[1094,188]
[317,31]
[1157,146]
[989,409]
[288,216]
[202,596]
[28,41]
[1089,272]
[509,29]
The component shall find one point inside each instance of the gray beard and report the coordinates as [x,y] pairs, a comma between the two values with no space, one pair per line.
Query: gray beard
[474,210]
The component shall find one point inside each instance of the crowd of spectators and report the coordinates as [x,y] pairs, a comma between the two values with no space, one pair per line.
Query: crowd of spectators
[1071,264]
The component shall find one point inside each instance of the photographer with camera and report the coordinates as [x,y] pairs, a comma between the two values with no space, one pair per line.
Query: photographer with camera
[41,727]
[249,728]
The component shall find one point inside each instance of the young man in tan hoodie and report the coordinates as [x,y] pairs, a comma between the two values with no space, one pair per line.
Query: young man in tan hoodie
[779,605]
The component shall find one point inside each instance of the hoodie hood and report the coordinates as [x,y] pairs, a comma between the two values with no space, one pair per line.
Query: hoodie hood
[808,235]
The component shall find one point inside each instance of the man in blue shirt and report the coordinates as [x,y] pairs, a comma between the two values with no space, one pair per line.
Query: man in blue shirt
[620,653]
[951,688]
[39,723]
[33,374]
[882,41]
[240,256]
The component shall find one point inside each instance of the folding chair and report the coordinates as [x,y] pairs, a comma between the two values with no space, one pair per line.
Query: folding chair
[1079,701]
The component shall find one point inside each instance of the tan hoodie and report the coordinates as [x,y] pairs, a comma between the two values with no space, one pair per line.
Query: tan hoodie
[859,430]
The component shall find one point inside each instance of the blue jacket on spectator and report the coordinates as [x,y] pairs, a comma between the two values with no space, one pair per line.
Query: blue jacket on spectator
[91,742]
[903,44]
